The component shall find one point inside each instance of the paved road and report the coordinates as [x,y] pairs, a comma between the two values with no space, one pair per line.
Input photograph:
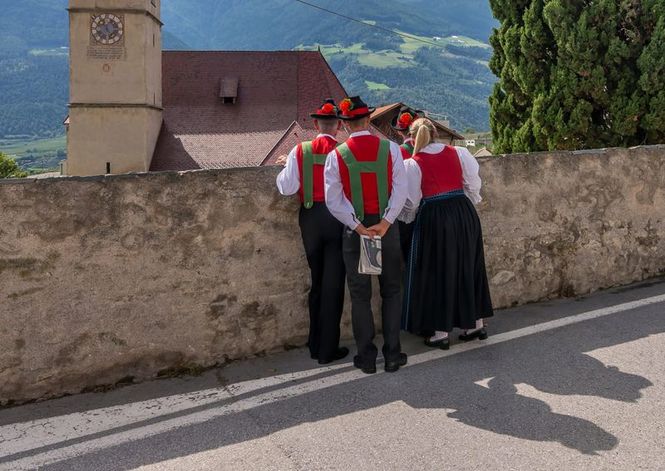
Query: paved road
[573,384]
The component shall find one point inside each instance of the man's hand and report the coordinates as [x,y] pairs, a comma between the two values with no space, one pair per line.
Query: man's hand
[380,229]
[281,160]
[362,230]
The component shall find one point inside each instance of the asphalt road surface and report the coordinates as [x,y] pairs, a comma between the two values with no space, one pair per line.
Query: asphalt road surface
[562,385]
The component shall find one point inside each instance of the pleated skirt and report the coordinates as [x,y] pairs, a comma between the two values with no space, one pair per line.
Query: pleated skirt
[446,284]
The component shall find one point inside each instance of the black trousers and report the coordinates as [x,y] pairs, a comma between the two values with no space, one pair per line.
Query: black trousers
[360,287]
[322,237]
[405,238]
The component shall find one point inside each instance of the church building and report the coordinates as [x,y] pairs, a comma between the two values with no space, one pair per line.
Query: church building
[136,108]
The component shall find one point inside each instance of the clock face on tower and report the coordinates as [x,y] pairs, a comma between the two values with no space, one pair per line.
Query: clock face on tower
[107,28]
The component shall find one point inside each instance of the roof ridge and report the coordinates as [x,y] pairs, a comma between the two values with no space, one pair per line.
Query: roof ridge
[332,72]
[279,141]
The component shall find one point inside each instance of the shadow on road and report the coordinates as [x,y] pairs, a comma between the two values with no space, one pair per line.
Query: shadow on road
[480,386]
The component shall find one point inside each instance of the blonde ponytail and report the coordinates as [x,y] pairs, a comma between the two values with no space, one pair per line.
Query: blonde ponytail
[424,133]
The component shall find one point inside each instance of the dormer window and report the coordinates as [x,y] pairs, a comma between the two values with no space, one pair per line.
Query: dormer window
[228,90]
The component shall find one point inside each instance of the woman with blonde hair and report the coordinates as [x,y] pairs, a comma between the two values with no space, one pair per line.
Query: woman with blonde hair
[447,283]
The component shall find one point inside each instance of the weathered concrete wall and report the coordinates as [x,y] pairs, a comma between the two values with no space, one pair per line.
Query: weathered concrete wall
[105,278]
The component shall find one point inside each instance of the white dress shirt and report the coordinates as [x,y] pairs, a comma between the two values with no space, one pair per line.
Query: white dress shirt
[340,206]
[288,180]
[470,172]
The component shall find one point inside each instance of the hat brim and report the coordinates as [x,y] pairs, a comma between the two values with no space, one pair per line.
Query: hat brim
[324,116]
[360,116]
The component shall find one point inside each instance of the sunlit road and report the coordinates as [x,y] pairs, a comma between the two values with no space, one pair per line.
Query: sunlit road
[574,384]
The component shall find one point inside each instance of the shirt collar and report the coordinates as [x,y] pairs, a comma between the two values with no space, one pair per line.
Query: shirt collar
[433,148]
[360,133]
[327,135]
[409,140]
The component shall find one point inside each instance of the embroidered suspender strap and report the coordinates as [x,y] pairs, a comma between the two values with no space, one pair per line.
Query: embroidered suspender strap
[408,147]
[379,168]
[309,159]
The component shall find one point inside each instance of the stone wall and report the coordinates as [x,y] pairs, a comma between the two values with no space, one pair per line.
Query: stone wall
[104,279]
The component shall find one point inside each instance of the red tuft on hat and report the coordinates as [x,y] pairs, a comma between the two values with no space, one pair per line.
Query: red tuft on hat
[406,120]
[346,105]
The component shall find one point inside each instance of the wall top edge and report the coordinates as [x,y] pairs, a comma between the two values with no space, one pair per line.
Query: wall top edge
[273,169]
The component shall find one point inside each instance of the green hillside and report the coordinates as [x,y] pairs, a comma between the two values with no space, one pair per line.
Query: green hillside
[451,78]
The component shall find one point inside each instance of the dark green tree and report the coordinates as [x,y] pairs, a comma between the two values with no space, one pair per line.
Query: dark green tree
[652,69]
[9,168]
[523,54]
[586,73]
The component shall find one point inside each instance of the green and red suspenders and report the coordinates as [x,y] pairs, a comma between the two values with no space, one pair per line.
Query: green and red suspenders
[379,168]
[309,159]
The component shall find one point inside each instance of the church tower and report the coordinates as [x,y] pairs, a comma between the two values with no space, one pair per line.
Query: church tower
[115,104]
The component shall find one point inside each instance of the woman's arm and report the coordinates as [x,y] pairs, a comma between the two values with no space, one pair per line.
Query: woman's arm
[415,193]
[470,171]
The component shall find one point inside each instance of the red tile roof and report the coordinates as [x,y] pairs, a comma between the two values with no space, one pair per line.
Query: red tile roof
[384,115]
[276,93]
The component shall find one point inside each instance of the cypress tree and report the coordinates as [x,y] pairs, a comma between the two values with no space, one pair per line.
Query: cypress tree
[509,105]
[587,73]
[652,68]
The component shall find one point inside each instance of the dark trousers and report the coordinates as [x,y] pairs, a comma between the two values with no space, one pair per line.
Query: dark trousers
[405,238]
[360,287]
[322,237]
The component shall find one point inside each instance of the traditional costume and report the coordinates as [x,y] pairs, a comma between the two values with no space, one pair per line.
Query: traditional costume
[365,182]
[322,238]
[447,283]
[401,124]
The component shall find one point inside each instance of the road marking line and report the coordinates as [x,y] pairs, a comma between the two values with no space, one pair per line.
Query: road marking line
[26,437]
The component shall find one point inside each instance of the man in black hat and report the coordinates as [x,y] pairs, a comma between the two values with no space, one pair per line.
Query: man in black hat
[366,188]
[321,234]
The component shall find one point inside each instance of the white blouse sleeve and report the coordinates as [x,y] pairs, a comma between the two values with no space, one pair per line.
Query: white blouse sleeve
[399,190]
[288,180]
[470,171]
[415,193]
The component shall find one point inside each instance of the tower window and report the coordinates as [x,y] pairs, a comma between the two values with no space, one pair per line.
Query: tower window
[228,90]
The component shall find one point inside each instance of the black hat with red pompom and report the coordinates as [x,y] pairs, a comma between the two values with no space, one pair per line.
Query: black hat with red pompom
[328,110]
[353,108]
[405,118]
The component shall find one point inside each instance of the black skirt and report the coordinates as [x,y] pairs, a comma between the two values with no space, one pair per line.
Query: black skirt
[447,283]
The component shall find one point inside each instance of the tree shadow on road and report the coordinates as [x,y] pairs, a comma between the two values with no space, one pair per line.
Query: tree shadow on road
[480,386]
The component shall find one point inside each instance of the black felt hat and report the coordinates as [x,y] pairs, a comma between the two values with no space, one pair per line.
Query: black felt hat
[353,108]
[328,110]
[406,117]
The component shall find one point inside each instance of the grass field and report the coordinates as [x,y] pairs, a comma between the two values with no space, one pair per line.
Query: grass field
[376,86]
[36,156]
[377,59]
[58,52]
[414,42]
[383,59]
[20,148]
